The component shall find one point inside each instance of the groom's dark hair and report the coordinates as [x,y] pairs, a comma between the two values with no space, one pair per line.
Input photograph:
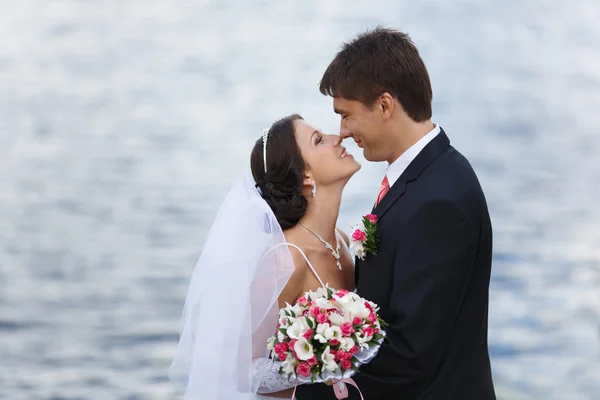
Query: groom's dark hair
[378,61]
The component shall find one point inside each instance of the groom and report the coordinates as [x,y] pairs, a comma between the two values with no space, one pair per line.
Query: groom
[432,270]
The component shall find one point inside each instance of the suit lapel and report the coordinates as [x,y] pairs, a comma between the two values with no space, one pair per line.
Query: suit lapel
[433,150]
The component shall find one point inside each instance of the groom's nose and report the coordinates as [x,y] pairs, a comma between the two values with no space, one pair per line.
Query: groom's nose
[344,133]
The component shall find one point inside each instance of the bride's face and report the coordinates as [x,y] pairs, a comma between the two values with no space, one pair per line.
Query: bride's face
[324,156]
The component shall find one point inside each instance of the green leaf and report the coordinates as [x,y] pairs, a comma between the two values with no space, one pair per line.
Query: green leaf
[310,324]
[283,330]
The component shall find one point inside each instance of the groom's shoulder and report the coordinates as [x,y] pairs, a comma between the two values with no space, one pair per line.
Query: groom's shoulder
[452,166]
[451,176]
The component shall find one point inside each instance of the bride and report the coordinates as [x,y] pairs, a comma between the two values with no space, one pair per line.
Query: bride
[274,238]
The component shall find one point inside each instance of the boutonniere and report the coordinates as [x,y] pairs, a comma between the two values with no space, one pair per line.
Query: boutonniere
[365,237]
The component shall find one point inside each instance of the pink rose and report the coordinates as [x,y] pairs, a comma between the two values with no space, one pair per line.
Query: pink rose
[322,318]
[359,236]
[346,364]
[342,355]
[369,306]
[347,329]
[291,346]
[371,217]
[308,334]
[372,317]
[353,350]
[312,361]
[282,356]
[341,293]
[368,331]
[334,341]
[315,311]
[302,301]
[357,321]
[281,347]
[336,355]
[303,369]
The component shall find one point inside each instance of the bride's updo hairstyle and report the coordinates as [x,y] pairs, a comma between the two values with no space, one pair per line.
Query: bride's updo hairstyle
[281,186]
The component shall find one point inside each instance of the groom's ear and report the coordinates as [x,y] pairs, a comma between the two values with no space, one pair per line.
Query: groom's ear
[386,105]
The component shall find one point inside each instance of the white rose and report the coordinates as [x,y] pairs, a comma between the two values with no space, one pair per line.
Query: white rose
[363,340]
[305,322]
[358,309]
[328,360]
[295,330]
[321,292]
[333,332]
[346,344]
[336,319]
[270,343]
[297,309]
[344,300]
[303,349]
[322,302]
[320,336]
[299,327]
[358,249]
[288,364]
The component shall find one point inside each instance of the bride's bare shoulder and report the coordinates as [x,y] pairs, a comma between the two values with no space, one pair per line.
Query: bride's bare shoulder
[294,287]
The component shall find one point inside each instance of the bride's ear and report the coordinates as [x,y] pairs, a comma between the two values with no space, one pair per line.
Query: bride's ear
[307,180]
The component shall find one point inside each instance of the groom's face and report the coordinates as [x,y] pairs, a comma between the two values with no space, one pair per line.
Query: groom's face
[363,124]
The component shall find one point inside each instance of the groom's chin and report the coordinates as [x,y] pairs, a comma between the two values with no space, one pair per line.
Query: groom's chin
[371,157]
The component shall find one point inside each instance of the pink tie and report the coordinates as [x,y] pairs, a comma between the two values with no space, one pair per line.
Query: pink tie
[385,187]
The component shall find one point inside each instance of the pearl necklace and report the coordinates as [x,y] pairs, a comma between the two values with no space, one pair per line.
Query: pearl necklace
[335,253]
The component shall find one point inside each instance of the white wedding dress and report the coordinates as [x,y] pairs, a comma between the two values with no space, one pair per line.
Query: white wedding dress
[265,371]
[231,306]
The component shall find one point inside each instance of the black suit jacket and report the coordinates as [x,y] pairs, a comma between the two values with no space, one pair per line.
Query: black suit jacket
[430,278]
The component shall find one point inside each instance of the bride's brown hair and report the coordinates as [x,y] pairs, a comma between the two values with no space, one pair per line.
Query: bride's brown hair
[281,186]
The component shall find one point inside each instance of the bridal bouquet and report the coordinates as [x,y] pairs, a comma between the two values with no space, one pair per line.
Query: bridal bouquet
[326,335]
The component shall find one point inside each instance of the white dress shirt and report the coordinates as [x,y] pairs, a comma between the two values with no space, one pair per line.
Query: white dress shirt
[396,168]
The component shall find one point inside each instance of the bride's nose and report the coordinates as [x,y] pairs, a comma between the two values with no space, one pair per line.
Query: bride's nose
[336,140]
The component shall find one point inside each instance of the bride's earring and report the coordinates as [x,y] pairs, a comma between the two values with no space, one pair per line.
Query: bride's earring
[314,189]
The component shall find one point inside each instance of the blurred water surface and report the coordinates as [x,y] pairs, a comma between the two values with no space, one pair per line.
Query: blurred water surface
[123,123]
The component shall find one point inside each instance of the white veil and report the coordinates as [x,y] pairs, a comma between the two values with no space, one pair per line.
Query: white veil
[231,307]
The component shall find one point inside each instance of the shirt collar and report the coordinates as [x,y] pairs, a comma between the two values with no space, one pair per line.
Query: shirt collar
[398,167]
